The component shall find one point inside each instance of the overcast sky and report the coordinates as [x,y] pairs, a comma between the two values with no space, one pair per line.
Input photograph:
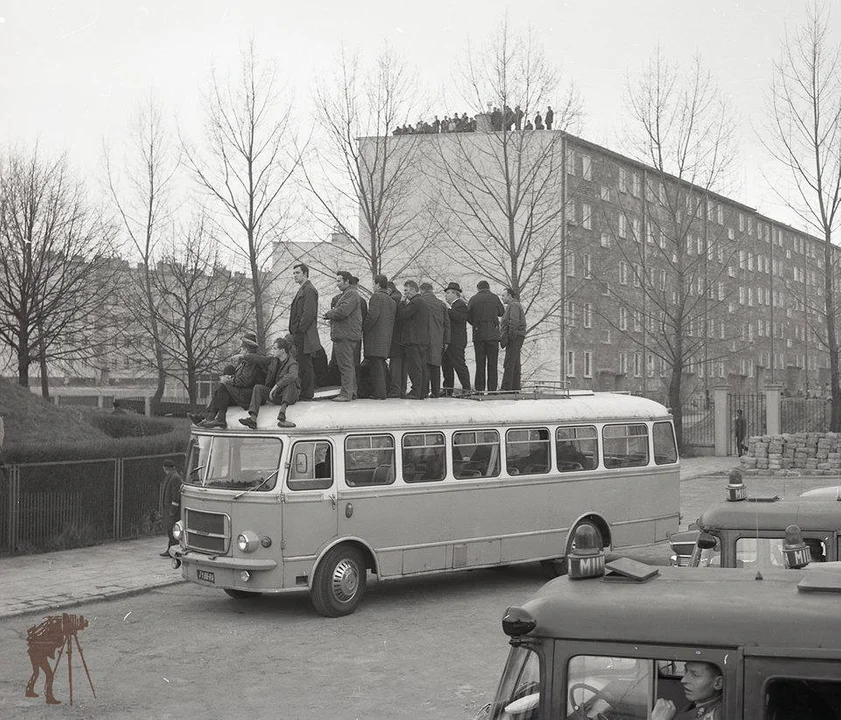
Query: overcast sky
[72,73]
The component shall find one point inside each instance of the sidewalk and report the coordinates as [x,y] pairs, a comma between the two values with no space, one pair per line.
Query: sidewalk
[47,582]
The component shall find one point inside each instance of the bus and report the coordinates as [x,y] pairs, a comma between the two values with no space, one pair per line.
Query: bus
[402,488]
[617,645]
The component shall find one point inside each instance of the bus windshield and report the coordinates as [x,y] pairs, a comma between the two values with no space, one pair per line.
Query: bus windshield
[234,463]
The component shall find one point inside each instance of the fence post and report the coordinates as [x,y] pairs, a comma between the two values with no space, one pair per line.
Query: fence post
[721,419]
[773,400]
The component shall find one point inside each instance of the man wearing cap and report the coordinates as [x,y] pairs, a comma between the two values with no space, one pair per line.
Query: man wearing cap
[346,332]
[170,502]
[303,326]
[281,386]
[484,310]
[453,359]
[250,370]
[439,337]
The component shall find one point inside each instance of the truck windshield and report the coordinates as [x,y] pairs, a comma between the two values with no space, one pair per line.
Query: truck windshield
[234,463]
[518,695]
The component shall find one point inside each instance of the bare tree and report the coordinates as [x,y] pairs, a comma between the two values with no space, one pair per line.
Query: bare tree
[668,231]
[364,177]
[54,263]
[143,203]
[248,160]
[499,192]
[804,137]
[201,306]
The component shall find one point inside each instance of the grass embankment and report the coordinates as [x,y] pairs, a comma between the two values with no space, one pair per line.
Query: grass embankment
[38,431]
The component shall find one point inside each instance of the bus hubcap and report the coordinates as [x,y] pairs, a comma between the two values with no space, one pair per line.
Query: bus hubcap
[345,581]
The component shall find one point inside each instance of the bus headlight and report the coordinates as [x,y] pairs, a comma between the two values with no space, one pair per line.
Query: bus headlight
[178,531]
[248,541]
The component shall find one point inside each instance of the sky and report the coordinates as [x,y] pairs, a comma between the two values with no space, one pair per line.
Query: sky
[73,74]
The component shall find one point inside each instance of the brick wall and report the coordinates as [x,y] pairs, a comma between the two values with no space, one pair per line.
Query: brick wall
[805,453]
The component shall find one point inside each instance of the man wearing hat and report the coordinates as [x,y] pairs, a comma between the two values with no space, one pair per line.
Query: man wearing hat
[282,385]
[170,502]
[484,310]
[453,360]
[250,370]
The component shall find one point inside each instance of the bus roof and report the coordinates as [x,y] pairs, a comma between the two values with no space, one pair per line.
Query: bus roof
[321,416]
[810,515]
[695,607]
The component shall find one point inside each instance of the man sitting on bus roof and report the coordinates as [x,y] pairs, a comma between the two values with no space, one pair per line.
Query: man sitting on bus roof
[282,385]
[702,684]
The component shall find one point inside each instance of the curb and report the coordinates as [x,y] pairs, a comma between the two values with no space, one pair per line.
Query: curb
[98,597]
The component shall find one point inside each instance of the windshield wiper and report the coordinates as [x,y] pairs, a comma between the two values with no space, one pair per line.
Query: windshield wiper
[256,487]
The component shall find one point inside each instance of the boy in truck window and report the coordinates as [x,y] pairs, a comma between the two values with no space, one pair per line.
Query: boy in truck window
[702,684]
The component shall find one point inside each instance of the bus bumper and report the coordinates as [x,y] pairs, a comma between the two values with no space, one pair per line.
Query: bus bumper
[223,572]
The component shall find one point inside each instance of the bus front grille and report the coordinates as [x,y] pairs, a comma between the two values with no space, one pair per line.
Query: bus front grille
[207,532]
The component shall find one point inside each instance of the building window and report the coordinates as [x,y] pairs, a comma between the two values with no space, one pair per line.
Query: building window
[570,265]
[623,180]
[605,240]
[571,314]
[570,364]
[586,170]
[604,336]
[637,188]
[623,319]
[649,366]
[587,216]
[623,363]
[623,272]
[720,214]
[637,275]
[588,364]
[588,315]
[637,229]
[623,226]
[637,365]
[587,268]
[605,193]
[637,321]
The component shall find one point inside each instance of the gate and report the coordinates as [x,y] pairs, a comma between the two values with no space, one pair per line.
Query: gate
[753,406]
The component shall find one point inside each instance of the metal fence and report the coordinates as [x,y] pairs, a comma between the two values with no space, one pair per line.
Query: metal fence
[699,427]
[72,503]
[805,415]
[753,406]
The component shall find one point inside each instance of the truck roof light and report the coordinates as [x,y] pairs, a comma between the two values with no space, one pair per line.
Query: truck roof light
[586,556]
[795,552]
[736,489]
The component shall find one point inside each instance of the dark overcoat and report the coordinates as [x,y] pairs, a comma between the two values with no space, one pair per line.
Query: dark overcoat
[485,308]
[250,371]
[394,350]
[303,317]
[439,327]
[458,313]
[414,321]
[282,374]
[378,325]
[171,498]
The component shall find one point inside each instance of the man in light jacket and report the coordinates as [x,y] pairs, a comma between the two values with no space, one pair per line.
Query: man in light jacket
[511,336]
[345,331]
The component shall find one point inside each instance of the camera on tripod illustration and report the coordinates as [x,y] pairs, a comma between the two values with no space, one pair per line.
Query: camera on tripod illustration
[72,624]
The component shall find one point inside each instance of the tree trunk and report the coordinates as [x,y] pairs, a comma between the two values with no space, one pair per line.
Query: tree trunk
[45,384]
[23,364]
[674,403]
[831,333]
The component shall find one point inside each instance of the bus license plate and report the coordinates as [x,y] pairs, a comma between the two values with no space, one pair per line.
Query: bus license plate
[205,575]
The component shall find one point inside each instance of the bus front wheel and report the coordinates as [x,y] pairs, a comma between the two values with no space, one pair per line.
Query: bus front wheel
[339,582]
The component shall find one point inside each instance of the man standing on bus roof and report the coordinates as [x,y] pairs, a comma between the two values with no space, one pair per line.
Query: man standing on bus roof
[414,337]
[345,331]
[484,310]
[453,364]
[702,684]
[439,336]
[377,328]
[282,385]
[512,333]
[303,326]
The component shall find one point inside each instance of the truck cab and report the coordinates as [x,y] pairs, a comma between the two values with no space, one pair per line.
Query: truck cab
[616,645]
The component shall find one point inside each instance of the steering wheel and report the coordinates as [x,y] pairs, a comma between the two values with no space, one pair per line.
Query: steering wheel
[597,695]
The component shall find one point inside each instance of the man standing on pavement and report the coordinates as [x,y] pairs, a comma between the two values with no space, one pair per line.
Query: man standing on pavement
[346,332]
[452,363]
[170,502]
[414,337]
[439,336]
[511,336]
[303,325]
[484,310]
[741,428]
[377,328]
[282,386]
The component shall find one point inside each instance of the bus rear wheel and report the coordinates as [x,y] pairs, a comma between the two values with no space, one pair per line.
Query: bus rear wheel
[339,582]
[242,594]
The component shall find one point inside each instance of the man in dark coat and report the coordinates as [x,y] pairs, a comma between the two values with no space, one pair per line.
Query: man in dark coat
[512,333]
[282,385]
[170,502]
[484,311]
[396,364]
[414,337]
[346,332]
[439,337]
[303,325]
[377,328]
[250,370]
[518,117]
[550,118]
[453,360]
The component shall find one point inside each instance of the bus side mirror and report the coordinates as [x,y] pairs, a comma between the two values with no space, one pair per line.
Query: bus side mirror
[706,541]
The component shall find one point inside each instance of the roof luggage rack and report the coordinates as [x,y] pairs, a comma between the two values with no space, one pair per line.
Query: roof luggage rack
[534,390]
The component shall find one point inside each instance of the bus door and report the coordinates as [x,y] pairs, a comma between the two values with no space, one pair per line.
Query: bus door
[309,498]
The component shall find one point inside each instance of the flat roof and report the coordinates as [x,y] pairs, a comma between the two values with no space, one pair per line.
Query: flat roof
[326,416]
[692,606]
[810,515]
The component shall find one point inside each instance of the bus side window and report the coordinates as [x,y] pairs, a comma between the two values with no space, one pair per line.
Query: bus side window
[311,467]
[527,451]
[625,445]
[424,457]
[476,454]
[665,450]
[577,448]
[369,460]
